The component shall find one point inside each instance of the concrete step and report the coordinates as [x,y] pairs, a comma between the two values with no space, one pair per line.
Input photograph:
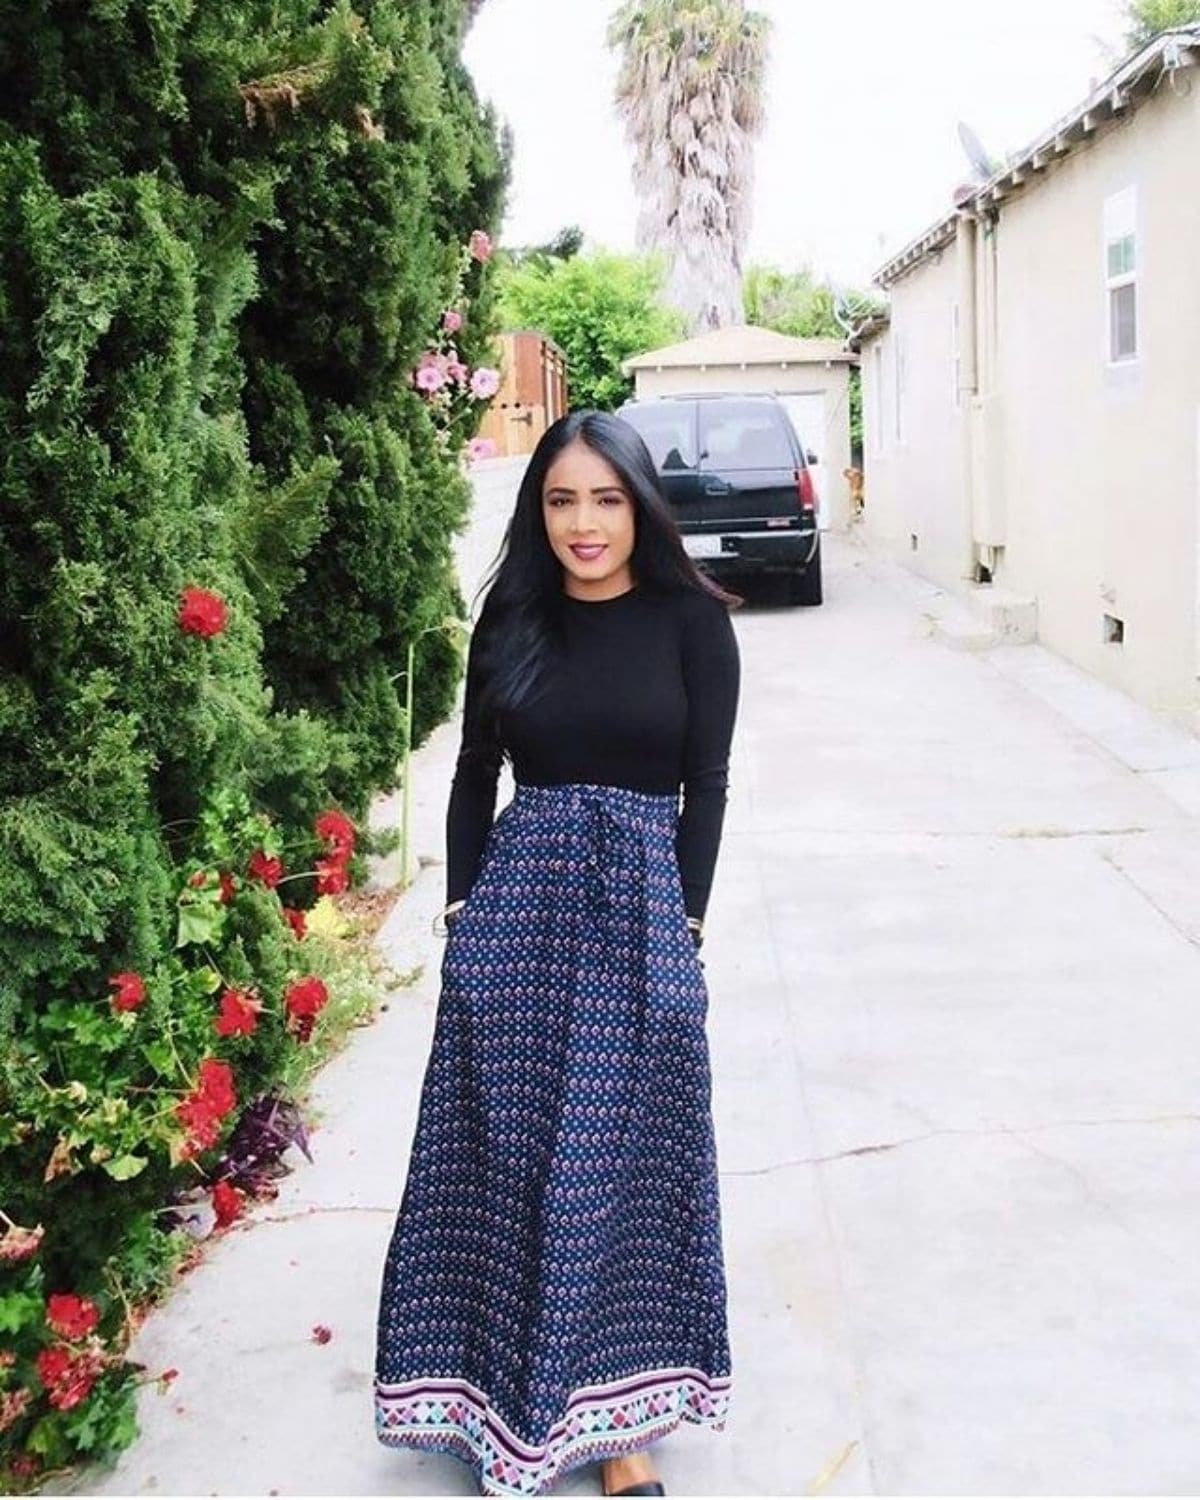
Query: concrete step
[980,616]
[1011,617]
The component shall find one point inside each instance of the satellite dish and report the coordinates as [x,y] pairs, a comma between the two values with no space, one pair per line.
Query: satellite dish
[981,163]
[847,315]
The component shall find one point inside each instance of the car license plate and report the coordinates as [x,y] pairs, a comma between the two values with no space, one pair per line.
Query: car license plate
[702,546]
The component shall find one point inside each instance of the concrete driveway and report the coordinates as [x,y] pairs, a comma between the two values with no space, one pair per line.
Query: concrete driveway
[955,1031]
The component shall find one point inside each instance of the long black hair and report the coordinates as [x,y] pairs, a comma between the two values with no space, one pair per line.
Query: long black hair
[524,590]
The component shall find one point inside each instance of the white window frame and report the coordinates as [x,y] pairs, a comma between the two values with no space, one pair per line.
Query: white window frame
[878,399]
[1121,229]
[897,386]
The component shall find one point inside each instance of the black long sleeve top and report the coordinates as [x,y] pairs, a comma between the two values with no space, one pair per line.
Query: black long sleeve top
[643,695]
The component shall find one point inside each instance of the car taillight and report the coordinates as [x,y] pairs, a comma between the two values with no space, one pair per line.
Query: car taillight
[804,488]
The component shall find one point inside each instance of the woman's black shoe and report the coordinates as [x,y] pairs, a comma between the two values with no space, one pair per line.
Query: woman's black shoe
[646,1487]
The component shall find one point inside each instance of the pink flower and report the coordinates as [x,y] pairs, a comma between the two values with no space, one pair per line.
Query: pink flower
[481,447]
[458,372]
[451,320]
[485,383]
[429,378]
[18,1243]
[480,244]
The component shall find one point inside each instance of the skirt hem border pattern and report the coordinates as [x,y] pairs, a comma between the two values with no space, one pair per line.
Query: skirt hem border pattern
[453,1417]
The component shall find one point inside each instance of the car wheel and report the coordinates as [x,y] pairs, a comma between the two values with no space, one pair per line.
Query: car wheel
[805,588]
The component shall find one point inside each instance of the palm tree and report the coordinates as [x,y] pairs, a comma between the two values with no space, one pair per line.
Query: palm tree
[690,91]
[1144,19]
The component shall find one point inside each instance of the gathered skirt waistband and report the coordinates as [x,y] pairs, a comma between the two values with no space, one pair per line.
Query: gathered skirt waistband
[651,811]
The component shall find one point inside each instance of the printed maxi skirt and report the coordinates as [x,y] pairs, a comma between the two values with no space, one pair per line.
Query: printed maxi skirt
[554,1288]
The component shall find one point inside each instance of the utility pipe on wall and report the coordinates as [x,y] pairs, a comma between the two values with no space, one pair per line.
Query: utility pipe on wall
[965,246]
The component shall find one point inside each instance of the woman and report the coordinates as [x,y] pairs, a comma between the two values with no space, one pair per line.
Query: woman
[554,1290]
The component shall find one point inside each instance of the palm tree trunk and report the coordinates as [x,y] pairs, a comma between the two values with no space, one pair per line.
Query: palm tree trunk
[690,91]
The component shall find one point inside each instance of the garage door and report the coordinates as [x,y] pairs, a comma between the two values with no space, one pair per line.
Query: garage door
[807,412]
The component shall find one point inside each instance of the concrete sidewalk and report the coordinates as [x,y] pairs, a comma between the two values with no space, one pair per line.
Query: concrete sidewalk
[953,968]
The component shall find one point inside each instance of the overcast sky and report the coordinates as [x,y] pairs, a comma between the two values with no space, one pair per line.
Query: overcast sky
[860,149]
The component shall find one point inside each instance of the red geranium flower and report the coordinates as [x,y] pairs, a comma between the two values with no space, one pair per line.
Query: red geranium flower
[68,1377]
[239,1014]
[301,1027]
[201,612]
[227,1203]
[130,988]
[265,867]
[202,1121]
[72,1317]
[203,1109]
[296,920]
[335,829]
[228,887]
[332,875]
[306,996]
[216,1084]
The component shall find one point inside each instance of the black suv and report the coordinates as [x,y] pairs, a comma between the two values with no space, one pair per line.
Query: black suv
[738,480]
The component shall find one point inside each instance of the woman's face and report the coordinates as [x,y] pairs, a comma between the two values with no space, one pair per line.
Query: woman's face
[586,505]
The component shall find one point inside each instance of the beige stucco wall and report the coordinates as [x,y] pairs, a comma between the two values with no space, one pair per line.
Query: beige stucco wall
[1087,473]
[912,461]
[832,380]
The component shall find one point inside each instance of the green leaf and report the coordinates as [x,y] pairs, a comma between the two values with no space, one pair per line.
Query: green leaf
[19,1310]
[160,1057]
[122,1168]
[199,924]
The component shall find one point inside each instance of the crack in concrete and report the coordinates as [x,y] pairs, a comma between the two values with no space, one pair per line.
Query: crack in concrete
[913,1140]
[1102,1203]
[321,1208]
[1114,863]
[756,835]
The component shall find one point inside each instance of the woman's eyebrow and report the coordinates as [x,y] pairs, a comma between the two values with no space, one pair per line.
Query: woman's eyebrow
[599,489]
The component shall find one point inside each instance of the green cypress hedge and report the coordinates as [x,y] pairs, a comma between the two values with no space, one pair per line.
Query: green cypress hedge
[227,232]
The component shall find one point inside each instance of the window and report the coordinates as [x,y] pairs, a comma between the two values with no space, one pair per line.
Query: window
[898,383]
[744,435]
[876,422]
[668,429]
[1121,275]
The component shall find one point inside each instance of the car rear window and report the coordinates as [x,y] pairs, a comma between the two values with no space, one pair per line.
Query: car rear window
[668,429]
[744,435]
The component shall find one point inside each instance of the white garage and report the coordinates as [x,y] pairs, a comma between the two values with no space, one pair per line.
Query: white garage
[810,376]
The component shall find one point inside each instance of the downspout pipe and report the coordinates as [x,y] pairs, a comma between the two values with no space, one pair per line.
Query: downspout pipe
[966,230]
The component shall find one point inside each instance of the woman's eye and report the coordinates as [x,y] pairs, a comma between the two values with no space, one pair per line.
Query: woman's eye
[557,500]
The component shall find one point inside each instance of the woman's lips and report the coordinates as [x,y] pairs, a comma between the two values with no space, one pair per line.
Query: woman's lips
[588,553]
